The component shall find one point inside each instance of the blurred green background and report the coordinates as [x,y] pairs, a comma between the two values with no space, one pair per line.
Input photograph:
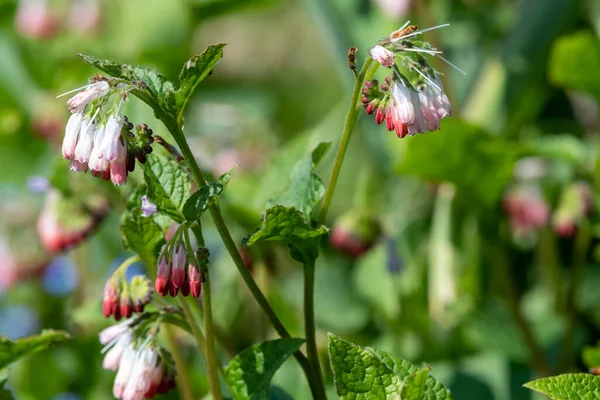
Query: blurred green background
[447,280]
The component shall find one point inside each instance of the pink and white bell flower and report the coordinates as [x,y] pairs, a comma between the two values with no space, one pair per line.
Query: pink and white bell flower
[71,134]
[440,100]
[139,379]
[85,141]
[112,136]
[114,351]
[92,92]
[403,105]
[179,264]
[111,333]
[124,373]
[383,56]
[96,163]
[118,166]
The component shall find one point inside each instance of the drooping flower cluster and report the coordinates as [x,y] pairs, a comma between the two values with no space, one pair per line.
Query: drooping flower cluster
[98,137]
[122,299]
[178,270]
[143,368]
[407,106]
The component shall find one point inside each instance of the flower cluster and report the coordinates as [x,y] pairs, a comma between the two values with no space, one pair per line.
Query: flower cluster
[122,299]
[98,137]
[179,271]
[407,106]
[143,368]
[58,233]
[526,208]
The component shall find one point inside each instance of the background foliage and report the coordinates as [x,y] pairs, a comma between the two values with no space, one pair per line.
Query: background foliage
[532,89]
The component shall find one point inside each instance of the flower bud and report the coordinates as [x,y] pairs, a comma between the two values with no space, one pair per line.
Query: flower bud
[379,115]
[148,207]
[162,275]
[355,233]
[125,306]
[172,289]
[383,56]
[179,262]
[71,134]
[194,280]
[111,297]
[94,91]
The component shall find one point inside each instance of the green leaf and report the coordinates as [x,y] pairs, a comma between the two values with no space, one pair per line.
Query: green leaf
[571,60]
[249,373]
[142,235]
[289,225]
[306,188]
[435,389]
[568,386]
[360,374]
[11,351]
[168,185]
[194,71]
[414,386]
[157,91]
[199,201]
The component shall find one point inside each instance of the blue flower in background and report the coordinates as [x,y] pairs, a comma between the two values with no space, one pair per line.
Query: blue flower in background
[61,277]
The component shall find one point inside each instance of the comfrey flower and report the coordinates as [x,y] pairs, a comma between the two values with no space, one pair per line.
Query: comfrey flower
[143,369]
[177,271]
[98,137]
[407,106]
[122,298]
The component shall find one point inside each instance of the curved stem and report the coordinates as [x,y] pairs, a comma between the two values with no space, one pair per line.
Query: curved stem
[189,316]
[183,376]
[231,247]
[367,71]
[309,323]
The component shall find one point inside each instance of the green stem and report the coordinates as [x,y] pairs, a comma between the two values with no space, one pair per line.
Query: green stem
[189,316]
[582,241]
[183,376]
[211,357]
[309,323]
[367,71]
[122,269]
[231,247]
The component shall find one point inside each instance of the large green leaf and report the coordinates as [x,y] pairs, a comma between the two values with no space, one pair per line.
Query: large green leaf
[415,385]
[435,390]
[306,188]
[249,373]
[12,350]
[194,71]
[199,201]
[289,225]
[574,62]
[168,185]
[568,386]
[360,374]
[142,235]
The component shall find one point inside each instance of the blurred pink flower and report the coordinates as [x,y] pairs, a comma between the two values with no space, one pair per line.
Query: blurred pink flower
[395,8]
[34,19]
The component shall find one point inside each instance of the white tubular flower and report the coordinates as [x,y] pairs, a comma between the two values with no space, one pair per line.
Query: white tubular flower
[94,91]
[111,333]
[154,379]
[71,133]
[118,166]
[419,125]
[139,379]
[113,355]
[85,143]
[112,136]
[426,98]
[441,102]
[383,56]
[96,163]
[126,366]
[404,107]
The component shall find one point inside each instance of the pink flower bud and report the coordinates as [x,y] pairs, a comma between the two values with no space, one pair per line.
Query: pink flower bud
[383,56]
[126,306]
[111,297]
[379,115]
[118,166]
[179,262]
[162,275]
[185,288]
[194,280]
[370,108]
[389,119]
[172,289]
[94,91]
